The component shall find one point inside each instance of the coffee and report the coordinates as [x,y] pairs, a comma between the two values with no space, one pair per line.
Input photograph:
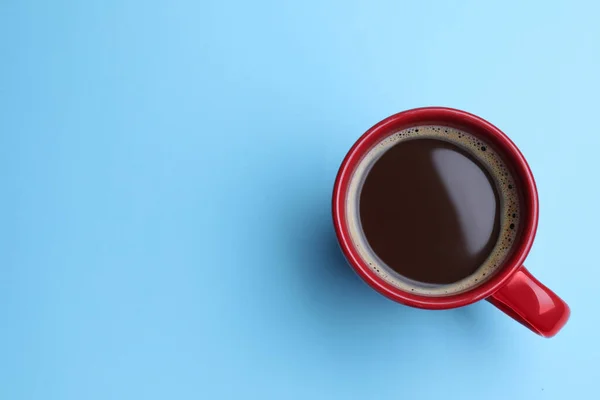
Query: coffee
[436,210]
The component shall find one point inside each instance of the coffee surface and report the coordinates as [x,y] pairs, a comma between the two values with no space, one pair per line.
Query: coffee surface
[430,210]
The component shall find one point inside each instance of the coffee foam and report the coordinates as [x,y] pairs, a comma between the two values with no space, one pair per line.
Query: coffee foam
[509,208]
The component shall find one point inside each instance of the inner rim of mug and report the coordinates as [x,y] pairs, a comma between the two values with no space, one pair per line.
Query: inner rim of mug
[510,208]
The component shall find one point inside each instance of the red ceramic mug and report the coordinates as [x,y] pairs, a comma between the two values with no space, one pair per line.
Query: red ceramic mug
[512,288]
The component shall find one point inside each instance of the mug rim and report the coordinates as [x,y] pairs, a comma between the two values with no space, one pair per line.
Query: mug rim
[476,126]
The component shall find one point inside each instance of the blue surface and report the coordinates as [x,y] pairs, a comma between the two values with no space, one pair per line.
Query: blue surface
[166,171]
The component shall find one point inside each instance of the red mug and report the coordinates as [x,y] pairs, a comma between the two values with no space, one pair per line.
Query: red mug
[512,289]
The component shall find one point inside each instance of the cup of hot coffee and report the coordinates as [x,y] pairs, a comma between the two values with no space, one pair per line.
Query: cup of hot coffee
[436,208]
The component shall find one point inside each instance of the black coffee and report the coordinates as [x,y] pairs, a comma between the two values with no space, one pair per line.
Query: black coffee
[433,207]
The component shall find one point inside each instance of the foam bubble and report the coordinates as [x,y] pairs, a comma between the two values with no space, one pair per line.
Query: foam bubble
[509,208]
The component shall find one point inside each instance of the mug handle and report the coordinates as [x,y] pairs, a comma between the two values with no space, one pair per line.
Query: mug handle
[532,304]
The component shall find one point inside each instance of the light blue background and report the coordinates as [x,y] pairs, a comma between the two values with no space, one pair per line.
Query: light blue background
[166,170]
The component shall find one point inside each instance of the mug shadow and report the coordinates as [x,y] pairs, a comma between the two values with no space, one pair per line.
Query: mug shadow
[333,309]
